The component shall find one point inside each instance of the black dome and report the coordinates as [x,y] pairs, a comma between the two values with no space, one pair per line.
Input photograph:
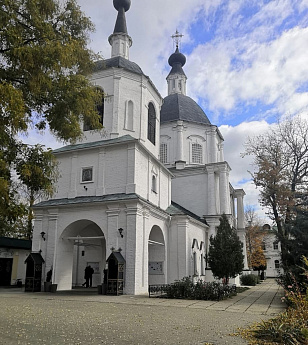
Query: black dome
[177,58]
[118,62]
[122,3]
[181,107]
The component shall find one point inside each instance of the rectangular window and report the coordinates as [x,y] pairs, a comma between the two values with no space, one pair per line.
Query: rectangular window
[196,153]
[163,153]
[275,245]
[87,174]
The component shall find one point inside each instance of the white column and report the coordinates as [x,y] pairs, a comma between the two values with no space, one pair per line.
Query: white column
[52,238]
[134,251]
[224,191]
[180,141]
[239,193]
[211,191]
[183,258]
[145,261]
[212,145]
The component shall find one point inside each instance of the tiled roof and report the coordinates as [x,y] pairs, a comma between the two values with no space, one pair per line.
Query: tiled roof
[86,200]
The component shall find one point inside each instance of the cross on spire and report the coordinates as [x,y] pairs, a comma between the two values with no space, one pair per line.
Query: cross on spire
[177,38]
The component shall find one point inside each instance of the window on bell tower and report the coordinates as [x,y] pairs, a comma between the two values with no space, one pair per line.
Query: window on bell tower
[196,153]
[163,153]
[151,123]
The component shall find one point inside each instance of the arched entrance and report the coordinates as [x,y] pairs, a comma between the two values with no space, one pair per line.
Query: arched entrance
[82,243]
[157,256]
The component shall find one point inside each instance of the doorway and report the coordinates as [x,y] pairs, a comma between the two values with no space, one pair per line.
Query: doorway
[5,271]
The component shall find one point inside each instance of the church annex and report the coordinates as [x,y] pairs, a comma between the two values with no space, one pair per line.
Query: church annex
[148,189]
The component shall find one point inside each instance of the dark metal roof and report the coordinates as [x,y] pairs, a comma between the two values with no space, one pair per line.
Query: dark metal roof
[118,256]
[181,107]
[122,139]
[175,210]
[120,25]
[16,243]
[177,69]
[118,62]
[36,257]
[86,200]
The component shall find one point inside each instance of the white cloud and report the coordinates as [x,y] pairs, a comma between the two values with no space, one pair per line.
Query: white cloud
[270,73]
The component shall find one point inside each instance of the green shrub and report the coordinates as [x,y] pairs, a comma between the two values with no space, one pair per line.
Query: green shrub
[185,288]
[250,279]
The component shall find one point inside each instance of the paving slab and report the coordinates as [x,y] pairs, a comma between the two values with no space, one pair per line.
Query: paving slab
[84,317]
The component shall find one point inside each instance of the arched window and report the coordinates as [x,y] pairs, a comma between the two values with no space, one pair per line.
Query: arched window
[277,265]
[154,183]
[129,118]
[163,153]
[196,153]
[151,123]
[99,108]
[195,263]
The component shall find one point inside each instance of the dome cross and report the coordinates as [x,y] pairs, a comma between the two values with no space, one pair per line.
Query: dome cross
[177,38]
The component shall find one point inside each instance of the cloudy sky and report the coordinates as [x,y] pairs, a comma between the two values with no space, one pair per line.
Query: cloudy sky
[247,61]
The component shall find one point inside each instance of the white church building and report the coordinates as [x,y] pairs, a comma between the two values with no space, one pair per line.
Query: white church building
[149,187]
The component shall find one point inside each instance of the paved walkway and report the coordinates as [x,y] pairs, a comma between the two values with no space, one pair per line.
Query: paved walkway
[263,299]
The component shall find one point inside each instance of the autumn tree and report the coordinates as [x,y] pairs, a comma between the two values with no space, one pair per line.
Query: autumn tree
[255,237]
[226,257]
[44,67]
[37,170]
[281,173]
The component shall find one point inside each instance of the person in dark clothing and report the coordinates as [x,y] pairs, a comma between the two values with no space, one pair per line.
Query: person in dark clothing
[88,276]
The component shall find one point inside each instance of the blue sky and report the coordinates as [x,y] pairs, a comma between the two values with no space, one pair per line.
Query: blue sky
[247,61]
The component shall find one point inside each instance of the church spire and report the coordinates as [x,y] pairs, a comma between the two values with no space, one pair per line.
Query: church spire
[120,41]
[177,79]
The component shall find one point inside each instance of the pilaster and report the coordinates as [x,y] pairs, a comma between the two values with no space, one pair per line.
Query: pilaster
[131,173]
[115,118]
[52,241]
[100,190]
[73,177]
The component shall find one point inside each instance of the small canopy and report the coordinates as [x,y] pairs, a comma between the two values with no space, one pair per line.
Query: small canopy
[36,258]
[117,256]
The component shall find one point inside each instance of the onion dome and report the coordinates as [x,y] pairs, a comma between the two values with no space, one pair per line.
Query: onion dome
[177,60]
